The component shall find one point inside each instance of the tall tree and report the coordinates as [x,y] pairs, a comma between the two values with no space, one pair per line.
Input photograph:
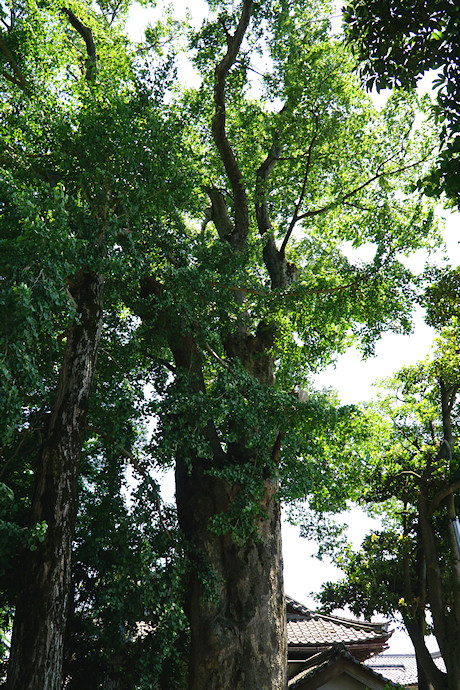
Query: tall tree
[41,608]
[240,298]
[260,296]
[75,132]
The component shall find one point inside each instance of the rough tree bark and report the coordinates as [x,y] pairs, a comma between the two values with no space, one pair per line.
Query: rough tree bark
[44,590]
[238,636]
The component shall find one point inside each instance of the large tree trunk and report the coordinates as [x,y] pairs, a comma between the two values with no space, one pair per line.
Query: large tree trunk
[237,618]
[41,611]
[415,626]
[235,599]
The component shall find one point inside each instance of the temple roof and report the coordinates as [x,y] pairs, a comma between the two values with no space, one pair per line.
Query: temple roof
[313,631]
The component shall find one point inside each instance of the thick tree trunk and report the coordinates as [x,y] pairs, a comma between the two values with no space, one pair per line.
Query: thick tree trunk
[235,599]
[41,611]
[238,628]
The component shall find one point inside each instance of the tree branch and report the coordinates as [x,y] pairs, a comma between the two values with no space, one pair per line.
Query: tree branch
[361,207]
[13,158]
[20,79]
[163,362]
[410,473]
[216,357]
[219,213]
[453,396]
[304,186]
[454,558]
[411,441]
[433,434]
[418,640]
[433,575]
[407,579]
[16,452]
[115,11]
[11,79]
[447,399]
[282,272]
[238,237]
[262,174]
[438,499]
[352,192]
[87,35]
[276,448]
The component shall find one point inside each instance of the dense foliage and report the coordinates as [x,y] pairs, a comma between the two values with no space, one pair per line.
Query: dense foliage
[87,165]
[396,42]
[222,222]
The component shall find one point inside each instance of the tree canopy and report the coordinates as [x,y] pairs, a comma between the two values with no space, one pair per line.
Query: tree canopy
[182,258]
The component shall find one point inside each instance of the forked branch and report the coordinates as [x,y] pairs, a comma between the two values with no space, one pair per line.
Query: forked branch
[438,499]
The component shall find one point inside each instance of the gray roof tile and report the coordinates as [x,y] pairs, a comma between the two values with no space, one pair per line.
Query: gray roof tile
[400,668]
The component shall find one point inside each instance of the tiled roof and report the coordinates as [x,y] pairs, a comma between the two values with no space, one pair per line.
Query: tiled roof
[329,658]
[296,607]
[320,631]
[314,629]
[400,668]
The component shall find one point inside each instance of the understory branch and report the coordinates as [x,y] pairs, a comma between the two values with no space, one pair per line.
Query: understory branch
[19,79]
[132,460]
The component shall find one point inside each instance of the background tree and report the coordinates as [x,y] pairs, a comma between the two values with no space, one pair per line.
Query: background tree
[410,475]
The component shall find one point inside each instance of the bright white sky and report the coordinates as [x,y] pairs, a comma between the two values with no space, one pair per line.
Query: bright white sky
[351,377]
